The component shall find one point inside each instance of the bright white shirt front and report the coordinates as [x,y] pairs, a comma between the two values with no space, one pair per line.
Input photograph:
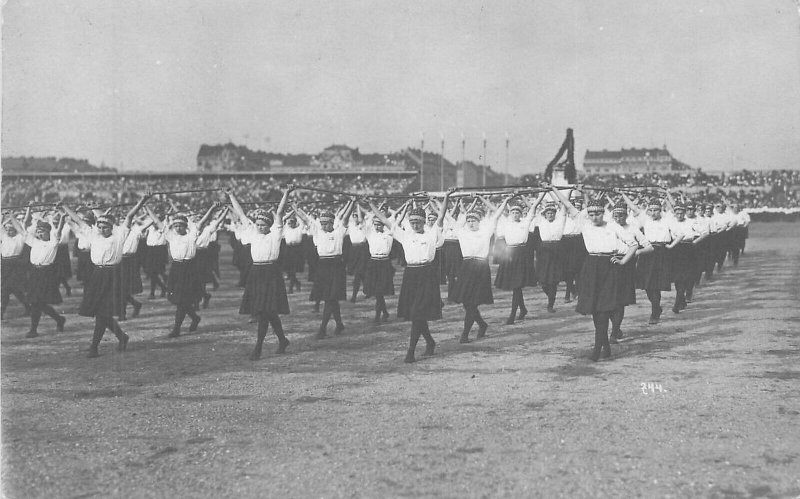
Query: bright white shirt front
[42,252]
[684,229]
[657,231]
[551,231]
[516,233]
[182,247]
[155,237]
[475,243]
[132,241]
[11,246]
[419,249]
[107,250]
[263,247]
[607,238]
[573,225]
[293,235]
[630,236]
[356,233]
[328,243]
[380,243]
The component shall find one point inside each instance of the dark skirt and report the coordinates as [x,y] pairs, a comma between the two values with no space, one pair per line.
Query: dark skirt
[102,295]
[573,254]
[131,277]
[155,259]
[499,250]
[63,263]
[204,265]
[265,291]
[44,285]
[451,257]
[474,283]
[183,285]
[311,256]
[379,278]
[397,252]
[512,273]
[599,289]
[549,266]
[330,282]
[627,281]
[530,250]
[653,270]
[357,259]
[13,274]
[683,261]
[213,256]
[291,257]
[419,295]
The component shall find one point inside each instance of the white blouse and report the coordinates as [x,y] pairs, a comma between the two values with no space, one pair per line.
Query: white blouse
[293,235]
[42,252]
[657,231]
[107,250]
[132,241]
[516,233]
[11,246]
[356,233]
[551,231]
[380,243]
[155,237]
[605,239]
[573,225]
[182,247]
[475,243]
[419,249]
[328,243]
[683,229]
[263,247]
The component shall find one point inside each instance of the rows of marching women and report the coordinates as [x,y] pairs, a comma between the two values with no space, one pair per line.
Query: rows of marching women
[600,245]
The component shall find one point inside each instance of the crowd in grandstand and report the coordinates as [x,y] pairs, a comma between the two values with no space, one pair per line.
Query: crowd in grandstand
[752,190]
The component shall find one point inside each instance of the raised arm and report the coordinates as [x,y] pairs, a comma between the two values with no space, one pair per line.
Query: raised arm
[377,213]
[75,218]
[631,205]
[565,202]
[156,221]
[135,209]
[443,208]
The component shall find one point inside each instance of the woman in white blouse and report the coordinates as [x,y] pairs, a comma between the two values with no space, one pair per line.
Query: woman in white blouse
[103,296]
[265,291]
[358,254]
[653,273]
[184,289]
[683,257]
[599,292]
[474,283]
[549,255]
[43,291]
[15,263]
[419,300]
[514,269]
[330,282]
[379,276]
[292,253]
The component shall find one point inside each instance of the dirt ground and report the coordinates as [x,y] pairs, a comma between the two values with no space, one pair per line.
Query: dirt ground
[706,404]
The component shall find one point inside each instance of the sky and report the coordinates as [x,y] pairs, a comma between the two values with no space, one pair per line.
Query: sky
[140,85]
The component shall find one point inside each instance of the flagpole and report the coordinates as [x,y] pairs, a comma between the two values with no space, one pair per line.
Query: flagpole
[463,155]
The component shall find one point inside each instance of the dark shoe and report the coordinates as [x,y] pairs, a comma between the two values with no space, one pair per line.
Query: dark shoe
[175,333]
[93,353]
[410,357]
[612,339]
[193,325]
[595,355]
[215,286]
[338,330]
[619,334]
[653,320]
[682,306]
[137,307]
[522,314]
[282,344]
[510,321]
[206,299]
[567,300]
[321,334]
[676,309]
[256,354]
[377,319]
[482,330]
[69,291]
[32,334]
[429,349]
[123,343]
[551,310]
[464,338]
[385,316]
[605,352]
[60,324]
[353,299]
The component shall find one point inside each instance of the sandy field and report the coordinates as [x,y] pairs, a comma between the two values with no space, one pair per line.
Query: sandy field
[705,404]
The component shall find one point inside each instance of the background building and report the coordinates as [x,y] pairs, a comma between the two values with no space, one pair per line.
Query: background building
[627,161]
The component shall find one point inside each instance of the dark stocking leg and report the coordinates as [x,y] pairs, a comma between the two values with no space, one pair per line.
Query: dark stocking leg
[412,344]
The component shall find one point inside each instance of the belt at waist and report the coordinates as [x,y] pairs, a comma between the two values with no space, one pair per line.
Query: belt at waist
[570,236]
[520,245]
[265,263]
[111,266]
[415,265]
[603,254]
[551,243]
[358,244]
[12,258]
[42,266]
[379,257]
[451,240]
[475,258]
[658,245]
[182,261]
[128,255]
[687,241]
[332,257]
